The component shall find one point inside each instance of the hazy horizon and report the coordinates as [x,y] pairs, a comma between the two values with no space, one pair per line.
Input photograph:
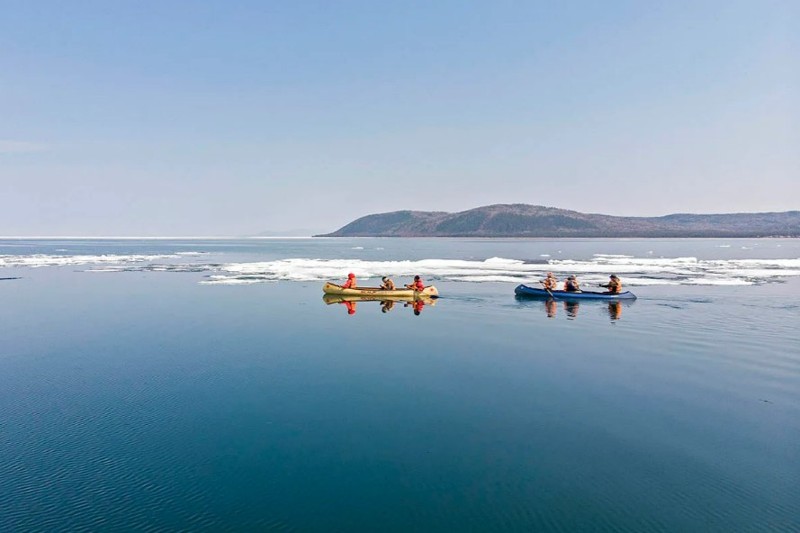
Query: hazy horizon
[151,119]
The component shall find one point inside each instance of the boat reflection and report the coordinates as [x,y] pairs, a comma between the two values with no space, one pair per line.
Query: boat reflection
[386,303]
[572,307]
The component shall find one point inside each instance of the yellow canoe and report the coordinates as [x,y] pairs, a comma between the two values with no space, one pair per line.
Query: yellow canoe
[377,292]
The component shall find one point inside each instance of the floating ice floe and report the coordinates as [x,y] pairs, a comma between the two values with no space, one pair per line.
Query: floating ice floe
[44,260]
[635,271]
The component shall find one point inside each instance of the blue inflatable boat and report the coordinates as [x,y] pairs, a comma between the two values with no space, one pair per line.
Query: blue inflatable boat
[524,290]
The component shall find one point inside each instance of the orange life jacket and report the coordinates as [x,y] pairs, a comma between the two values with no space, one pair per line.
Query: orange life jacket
[614,286]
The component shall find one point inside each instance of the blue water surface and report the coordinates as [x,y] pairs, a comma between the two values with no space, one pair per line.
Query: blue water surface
[149,401]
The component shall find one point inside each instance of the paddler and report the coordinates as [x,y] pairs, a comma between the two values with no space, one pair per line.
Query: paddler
[614,285]
[571,284]
[388,284]
[351,282]
[417,284]
[550,283]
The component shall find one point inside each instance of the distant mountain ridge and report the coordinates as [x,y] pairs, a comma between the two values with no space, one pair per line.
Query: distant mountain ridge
[524,220]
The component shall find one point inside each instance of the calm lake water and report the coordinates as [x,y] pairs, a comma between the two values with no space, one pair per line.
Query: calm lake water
[205,385]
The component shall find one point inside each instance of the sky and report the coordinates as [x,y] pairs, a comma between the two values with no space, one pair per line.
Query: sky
[232,118]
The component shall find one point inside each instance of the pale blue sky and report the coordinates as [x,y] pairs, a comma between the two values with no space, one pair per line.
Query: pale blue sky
[229,118]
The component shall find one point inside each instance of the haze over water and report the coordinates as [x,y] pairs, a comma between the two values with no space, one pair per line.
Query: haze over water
[205,385]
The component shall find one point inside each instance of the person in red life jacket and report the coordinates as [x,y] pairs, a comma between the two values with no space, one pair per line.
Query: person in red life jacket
[614,285]
[417,285]
[351,282]
[550,283]
[351,307]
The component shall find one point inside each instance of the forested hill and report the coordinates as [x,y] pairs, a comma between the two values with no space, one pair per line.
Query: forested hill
[522,220]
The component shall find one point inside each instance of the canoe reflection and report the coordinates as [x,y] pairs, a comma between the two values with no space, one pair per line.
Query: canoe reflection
[386,303]
[572,307]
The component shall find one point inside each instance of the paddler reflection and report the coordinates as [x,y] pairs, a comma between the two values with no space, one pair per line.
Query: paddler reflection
[385,303]
[418,305]
[615,310]
[571,307]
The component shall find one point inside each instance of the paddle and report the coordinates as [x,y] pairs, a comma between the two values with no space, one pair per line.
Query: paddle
[548,290]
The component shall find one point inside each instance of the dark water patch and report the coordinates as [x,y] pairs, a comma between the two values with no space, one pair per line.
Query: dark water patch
[464,299]
[671,305]
[9,279]
[784,307]
[700,300]
[679,300]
